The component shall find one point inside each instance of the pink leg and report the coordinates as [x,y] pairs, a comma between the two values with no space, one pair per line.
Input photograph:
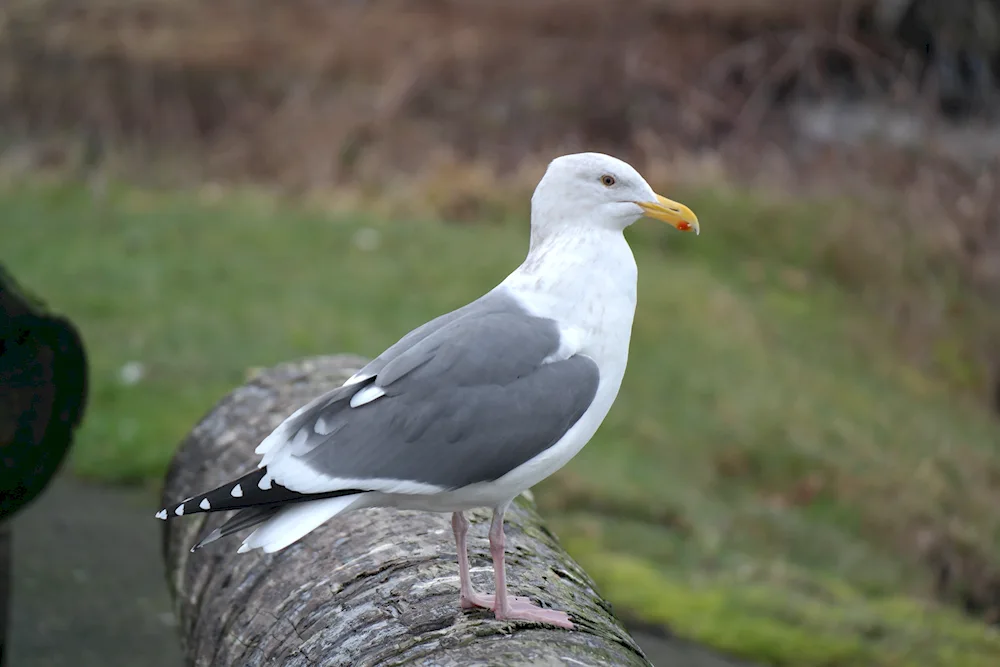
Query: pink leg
[510,607]
[470,597]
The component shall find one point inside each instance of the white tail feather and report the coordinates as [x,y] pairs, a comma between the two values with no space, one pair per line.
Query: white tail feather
[295,522]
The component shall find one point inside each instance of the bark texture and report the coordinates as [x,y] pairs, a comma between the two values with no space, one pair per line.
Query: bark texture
[373,587]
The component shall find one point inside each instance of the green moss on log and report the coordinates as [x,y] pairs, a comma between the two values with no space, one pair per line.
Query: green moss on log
[809,622]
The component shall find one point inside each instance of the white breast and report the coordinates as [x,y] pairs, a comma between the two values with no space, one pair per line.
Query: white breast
[587,283]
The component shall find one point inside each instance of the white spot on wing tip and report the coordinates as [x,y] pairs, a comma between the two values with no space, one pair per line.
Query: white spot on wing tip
[265,482]
[243,548]
[237,491]
[162,514]
[180,510]
[204,504]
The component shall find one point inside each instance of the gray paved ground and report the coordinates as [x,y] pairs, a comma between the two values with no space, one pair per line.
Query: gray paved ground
[89,588]
[88,585]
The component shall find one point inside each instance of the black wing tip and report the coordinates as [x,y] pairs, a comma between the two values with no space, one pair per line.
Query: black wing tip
[255,489]
[229,496]
[192,505]
[247,491]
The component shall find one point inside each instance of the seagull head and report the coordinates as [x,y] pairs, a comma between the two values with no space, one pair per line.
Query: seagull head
[597,189]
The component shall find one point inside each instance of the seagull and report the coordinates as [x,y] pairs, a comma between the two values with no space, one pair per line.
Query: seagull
[478,405]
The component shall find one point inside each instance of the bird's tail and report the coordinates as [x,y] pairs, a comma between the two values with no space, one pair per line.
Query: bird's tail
[246,518]
[283,524]
[293,522]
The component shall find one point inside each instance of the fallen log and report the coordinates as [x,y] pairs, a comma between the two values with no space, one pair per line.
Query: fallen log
[373,587]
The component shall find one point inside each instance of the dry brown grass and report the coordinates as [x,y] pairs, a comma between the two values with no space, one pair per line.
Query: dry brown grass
[310,92]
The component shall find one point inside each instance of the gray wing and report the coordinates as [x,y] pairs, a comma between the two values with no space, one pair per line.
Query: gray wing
[488,303]
[280,437]
[465,401]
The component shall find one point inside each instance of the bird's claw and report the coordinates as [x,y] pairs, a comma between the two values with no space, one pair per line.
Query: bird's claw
[518,609]
[526,611]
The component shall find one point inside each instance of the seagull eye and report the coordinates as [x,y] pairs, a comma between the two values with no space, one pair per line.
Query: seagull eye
[607,180]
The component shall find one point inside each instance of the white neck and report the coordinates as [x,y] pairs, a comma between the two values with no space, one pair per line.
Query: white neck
[586,279]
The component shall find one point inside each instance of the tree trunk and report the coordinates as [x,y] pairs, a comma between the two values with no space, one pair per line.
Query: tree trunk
[372,587]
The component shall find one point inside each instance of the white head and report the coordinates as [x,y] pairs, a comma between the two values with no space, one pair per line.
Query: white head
[600,190]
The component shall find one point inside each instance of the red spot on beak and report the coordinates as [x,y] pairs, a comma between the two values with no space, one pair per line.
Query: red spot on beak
[684,226]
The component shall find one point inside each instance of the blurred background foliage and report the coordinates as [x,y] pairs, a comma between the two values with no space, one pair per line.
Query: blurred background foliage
[803,467]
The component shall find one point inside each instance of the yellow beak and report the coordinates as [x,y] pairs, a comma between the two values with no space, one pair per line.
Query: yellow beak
[671,212]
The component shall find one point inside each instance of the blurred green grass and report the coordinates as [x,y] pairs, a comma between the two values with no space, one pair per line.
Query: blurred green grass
[768,481]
